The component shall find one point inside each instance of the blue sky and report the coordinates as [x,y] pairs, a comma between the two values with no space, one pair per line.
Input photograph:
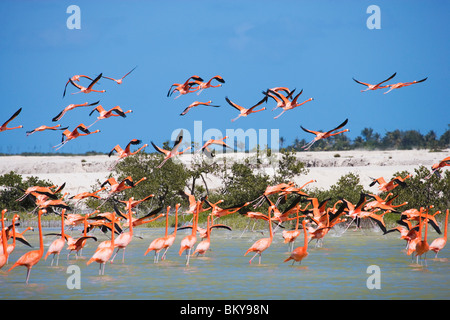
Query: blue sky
[317,46]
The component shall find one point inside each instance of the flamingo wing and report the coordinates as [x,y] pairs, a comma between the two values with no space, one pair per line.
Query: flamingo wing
[339,126]
[129,72]
[13,116]
[95,81]
[159,149]
[234,105]
[387,79]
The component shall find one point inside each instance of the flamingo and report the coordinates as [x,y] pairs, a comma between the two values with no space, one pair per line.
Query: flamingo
[170,239]
[123,153]
[402,84]
[300,253]
[384,204]
[47,191]
[374,86]
[219,142]
[78,244]
[188,242]
[262,244]
[142,220]
[243,111]
[280,102]
[71,107]
[392,184]
[4,127]
[288,105]
[439,243]
[57,245]
[197,103]
[44,127]
[183,88]
[124,239]
[102,255]
[70,135]
[119,81]
[89,88]
[323,135]
[422,246]
[113,112]
[84,195]
[158,244]
[289,236]
[435,168]
[204,245]
[31,258]
[205,85]
[4,254]
[75,78]
[172,153]
[10,247]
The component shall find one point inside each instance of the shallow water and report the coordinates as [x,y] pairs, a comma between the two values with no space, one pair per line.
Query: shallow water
[337,270]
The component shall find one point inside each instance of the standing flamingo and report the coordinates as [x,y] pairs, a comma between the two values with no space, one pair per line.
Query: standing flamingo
[422,246]
[57,245]
[188,242]
[119,81]
[262,244]
[289,236]
[439,243]
[300,253]
[4,127]
[4,254]
[204,245]
[323,135]
[31,258]
[171,153]
[124,239]
[374,86]
[170,239]
[102,255]
[243,112]
[158,244]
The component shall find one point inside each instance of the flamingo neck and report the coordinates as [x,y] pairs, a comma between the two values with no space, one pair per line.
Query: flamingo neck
[130,217]
[113,230]
[270,226]
[62,224]
[176,221]
[446,224]
[167,221]
[208,231]
[305,243]
[41,240]
[5,251]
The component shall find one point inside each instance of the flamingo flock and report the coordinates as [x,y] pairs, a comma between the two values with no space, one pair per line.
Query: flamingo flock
[316,218]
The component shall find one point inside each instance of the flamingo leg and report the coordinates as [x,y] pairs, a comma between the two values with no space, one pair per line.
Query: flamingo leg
[28,275]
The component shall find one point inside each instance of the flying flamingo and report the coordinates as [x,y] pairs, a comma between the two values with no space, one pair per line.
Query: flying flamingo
[262,244]
[44,127]
[280,102]
[75,78]
[84,195]
[89,88]
[323,135]
[70,135]
[435,168]
[205,85]
[31,258]
[71,107]
[123,153]
[47,191]
[197,103]
[374,86]
[172,153]
[300,253]
[402,84]
[204,245]
[243,111]
[105,114]
[439,243]
[102,255]
[158,244]
[170,239]
[4,254]
[57,245]
[392,184]
[188,242]
[78,244]
[288,105]
[183,88]
[4,127]
[119,81]
[219,142]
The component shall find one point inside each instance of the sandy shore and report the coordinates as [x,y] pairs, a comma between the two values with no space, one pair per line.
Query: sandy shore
[80,173]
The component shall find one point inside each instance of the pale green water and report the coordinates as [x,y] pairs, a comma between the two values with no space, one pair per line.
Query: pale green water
[338,270]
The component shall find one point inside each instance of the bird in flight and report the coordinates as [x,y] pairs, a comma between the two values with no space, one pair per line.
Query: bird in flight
[119,81]
[197,103]
[4,127]
[89,88]
[323,135]
[402,84]
[243,112]
[71,107]
[44,127]
[171,153]
[75,78]
[375,86]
